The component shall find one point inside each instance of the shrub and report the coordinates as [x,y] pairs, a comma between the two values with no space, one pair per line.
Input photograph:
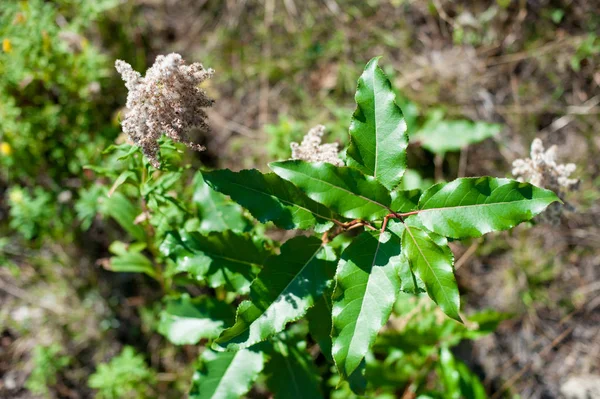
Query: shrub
[350,297]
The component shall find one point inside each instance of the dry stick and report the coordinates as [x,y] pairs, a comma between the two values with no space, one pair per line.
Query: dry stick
[23,295]
[462,161]
[465,257]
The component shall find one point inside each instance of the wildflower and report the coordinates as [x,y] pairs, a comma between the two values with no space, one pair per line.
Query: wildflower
[312,150]
[168,100]
[6,46]
[5,148]
[542,170]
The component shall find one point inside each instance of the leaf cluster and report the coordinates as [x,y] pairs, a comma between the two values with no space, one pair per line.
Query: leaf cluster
[368,244]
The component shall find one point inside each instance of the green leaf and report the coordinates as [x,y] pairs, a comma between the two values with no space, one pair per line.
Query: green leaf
[226,375]
[270,198]
[409,283]
[431,261]
[378,129]
[124,212]
[291,372]
[449,374]
[344,190]
[471,207]
[470,385]
[186,321]
[319,323]
[366,286]
[285,289]
[128,174]
[405,200]
[221,258]
[216,212]
[128,259]
[439,136]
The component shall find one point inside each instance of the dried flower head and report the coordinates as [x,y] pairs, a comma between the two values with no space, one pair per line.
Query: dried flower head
[312,150]
[168,100]
[542,170]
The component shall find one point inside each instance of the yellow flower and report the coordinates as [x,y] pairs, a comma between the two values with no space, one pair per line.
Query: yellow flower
[15,196]
[5,148]
[6,46]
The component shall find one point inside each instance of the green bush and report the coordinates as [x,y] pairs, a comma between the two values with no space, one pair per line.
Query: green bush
[348,306]
[126,376]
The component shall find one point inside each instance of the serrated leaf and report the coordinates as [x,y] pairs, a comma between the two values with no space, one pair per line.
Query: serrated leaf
[431,260]
[319,323]
[378,129]
[221,258]
[344,190]
[366,286]
[291,372]
[271,198]
[185,321]
[226,375]
[284,290]
[216,213]
[471,207]
[440,136]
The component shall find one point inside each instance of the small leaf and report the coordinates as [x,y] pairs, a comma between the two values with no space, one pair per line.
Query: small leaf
[471,207]
[440,136]
[132,262]
[128,174]
[449,374]
[291,372]
[220,258]
[366,286]
[405,200]
[431,261]
[285,289]
[186,321]
[344,190]
[124,212]
[270,198]
[216,212]
[226,375]
[378,129]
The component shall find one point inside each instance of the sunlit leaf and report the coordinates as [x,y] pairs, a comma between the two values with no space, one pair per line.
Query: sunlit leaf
[431,261]
[344,190]
[226,375]
[216,213]
[284,290]
[271,198]
[378,129]
[185,321]
[471,207]
[366,287]
[220,258]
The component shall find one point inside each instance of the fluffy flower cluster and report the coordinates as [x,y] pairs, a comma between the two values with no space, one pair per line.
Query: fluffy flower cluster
[542,170]
[168,100]
[312,150]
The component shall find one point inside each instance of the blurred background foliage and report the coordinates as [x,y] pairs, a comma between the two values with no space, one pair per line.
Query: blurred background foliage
[477,81]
